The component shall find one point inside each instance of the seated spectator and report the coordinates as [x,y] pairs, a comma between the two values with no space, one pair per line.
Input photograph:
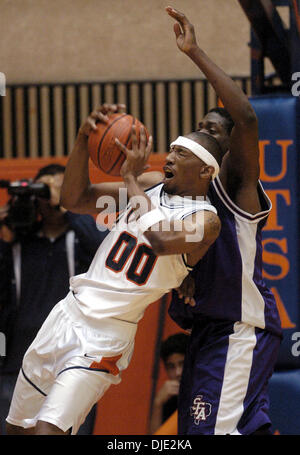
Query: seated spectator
[165,402]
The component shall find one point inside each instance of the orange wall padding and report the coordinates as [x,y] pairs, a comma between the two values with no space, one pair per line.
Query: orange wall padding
[124,409]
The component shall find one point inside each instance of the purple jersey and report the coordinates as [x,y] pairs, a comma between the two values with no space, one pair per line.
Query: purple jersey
[228,279]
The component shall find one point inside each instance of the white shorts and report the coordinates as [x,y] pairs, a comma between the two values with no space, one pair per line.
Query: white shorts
[68,367]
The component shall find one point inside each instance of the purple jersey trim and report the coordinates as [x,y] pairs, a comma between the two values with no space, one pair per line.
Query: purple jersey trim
[235,209]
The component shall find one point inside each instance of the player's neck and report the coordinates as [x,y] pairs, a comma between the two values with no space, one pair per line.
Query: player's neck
[195,192]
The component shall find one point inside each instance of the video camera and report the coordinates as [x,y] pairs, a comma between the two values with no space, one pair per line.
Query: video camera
[22,213]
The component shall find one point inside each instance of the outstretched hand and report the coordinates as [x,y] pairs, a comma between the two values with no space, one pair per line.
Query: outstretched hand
[184,31]
[136,157]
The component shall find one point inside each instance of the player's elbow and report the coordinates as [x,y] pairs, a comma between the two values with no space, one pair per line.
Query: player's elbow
[249,117]
[67,202]
[70,202]
[214,231]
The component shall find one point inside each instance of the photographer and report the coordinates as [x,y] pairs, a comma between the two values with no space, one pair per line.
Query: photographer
[37,257]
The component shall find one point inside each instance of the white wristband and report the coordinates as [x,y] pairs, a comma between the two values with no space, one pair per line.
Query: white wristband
[149,219]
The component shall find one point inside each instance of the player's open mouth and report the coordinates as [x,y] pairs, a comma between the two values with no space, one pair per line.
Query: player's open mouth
[168,173]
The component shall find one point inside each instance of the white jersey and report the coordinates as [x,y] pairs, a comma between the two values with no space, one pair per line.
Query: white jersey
[125,275]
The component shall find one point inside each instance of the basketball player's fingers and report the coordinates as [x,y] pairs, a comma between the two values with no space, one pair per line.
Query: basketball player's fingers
[97,115]
[121,107]
[177,30]
[189,301]
[143,142]
[134,138]
[187,287]
[142,137]
[128,153]
[91,123]
[105,108]
[180,295]
[111,108]
[122,147]
[180,17]
[149,147]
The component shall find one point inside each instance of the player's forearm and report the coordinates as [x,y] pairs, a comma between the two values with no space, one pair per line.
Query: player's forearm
[193,235]
[165,239]
[231,95]
[76,184]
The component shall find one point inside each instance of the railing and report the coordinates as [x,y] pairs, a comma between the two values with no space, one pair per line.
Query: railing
[41,120]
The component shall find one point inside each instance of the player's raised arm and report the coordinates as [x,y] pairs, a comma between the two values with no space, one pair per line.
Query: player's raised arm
[243,157]
[78,194]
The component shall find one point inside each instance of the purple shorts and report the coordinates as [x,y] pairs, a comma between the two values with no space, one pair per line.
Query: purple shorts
[224,386]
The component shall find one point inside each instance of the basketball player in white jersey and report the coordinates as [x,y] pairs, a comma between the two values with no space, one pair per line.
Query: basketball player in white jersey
[88,338]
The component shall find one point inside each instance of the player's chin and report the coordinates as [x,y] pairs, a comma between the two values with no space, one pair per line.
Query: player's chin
[169,186]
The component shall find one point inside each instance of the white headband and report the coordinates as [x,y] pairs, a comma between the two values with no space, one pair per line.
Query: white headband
[199,151]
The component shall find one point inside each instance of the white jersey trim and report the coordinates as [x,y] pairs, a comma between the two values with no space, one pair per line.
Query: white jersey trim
[252,302]
[236,377]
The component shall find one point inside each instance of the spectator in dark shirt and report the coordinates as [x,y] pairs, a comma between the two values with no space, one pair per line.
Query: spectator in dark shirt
[35,271]
[165,402]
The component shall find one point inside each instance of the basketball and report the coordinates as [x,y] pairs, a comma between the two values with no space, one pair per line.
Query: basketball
[102,148]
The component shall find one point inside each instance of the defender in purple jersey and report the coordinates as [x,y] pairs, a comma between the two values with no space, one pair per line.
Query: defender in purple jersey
[236,330]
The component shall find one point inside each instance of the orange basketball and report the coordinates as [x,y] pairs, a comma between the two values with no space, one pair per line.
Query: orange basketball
[102,148]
